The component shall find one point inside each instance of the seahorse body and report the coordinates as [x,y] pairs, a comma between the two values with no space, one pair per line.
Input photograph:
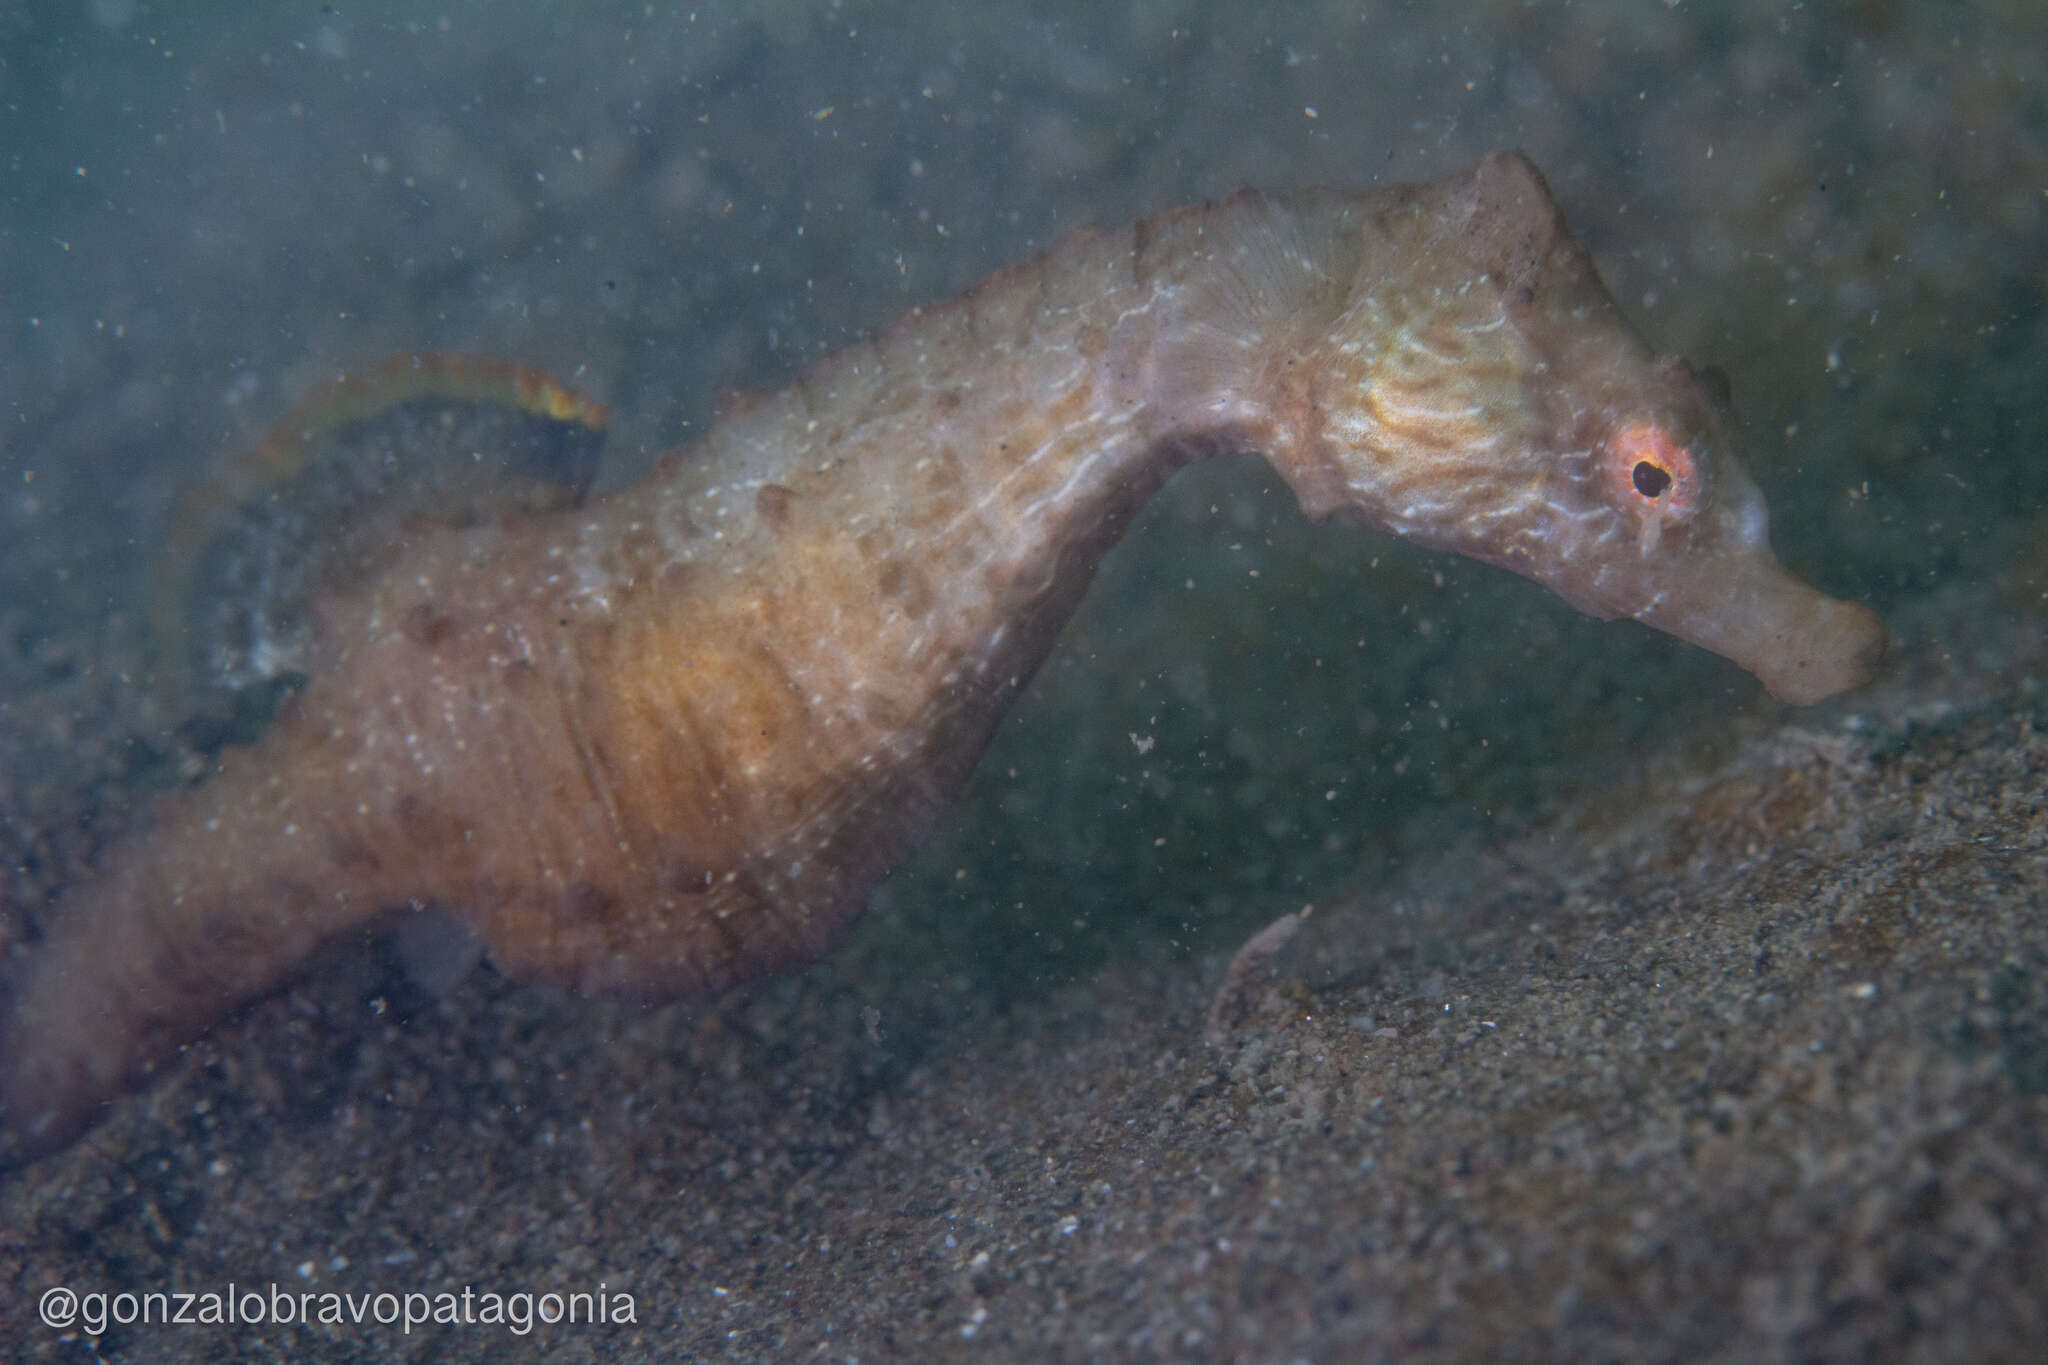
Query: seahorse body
[665,740]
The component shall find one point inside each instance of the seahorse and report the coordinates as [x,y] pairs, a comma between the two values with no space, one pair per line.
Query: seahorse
[664,739]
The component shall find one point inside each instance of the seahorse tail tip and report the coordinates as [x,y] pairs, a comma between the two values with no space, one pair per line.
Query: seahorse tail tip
[56,1070]
[33,1120]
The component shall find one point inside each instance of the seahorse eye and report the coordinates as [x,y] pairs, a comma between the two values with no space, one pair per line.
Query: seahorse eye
[1650,479]
[1645,463]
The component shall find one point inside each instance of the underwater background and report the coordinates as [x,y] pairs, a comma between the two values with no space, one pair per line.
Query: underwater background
[1638,1017]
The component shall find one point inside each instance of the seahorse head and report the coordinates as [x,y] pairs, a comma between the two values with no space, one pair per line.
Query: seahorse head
[1480,392]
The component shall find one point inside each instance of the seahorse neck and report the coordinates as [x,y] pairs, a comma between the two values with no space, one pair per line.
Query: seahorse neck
[1009,433]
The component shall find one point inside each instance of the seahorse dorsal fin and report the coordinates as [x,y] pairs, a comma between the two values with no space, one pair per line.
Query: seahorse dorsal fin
[440,438]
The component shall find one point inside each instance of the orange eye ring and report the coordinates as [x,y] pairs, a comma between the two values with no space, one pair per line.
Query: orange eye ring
[1646,466]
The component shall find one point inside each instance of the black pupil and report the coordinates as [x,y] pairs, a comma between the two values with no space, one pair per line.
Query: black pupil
[1651,480]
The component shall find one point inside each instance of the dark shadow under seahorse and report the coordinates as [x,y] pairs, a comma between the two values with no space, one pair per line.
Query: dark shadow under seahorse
[665,739]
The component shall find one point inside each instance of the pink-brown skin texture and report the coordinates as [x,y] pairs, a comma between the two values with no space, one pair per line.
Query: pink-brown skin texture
[665,741]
